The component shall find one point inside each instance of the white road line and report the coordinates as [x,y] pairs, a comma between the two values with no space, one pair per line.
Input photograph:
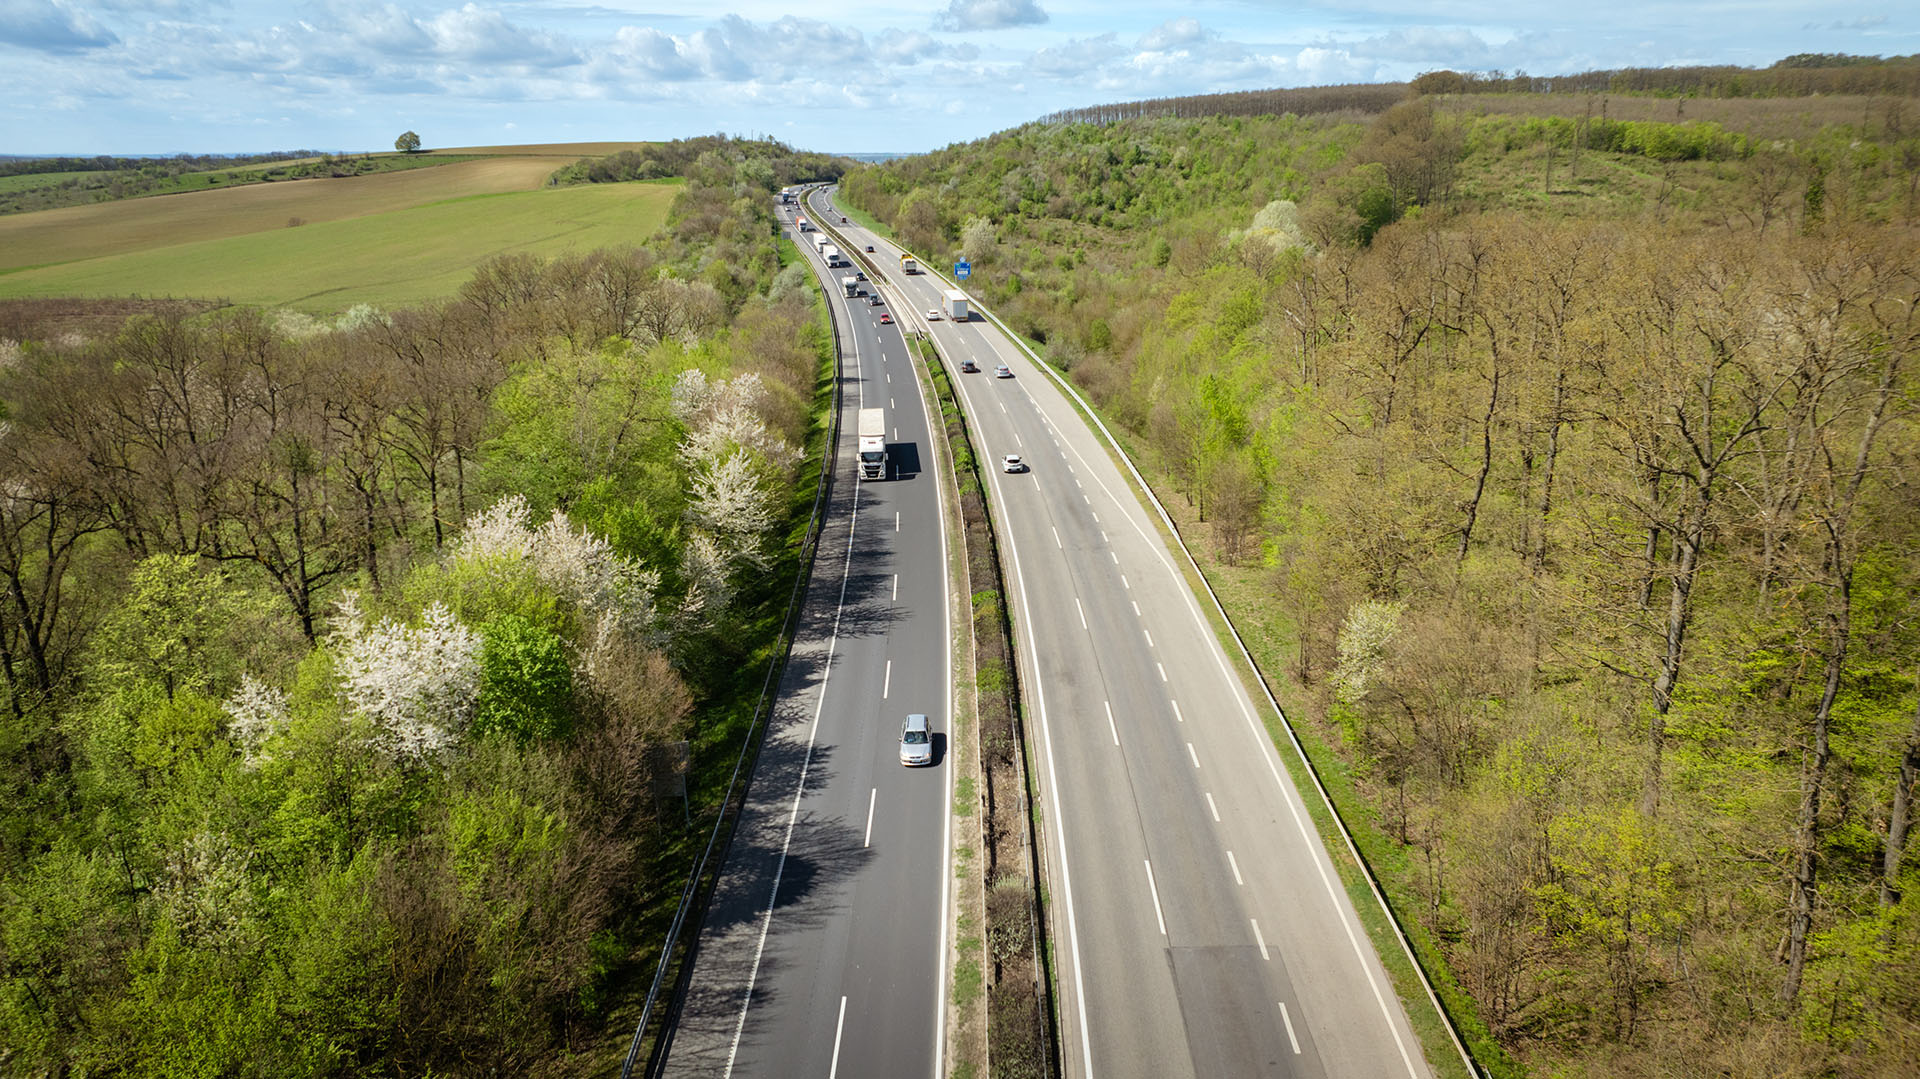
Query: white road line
[1124,582]
[1082,610]
[896,520]
[1077,483]
[889,375]
[1162,918]
[1096,517]
[886,683]
[1056,537]
[1215,810]
[800,788]
[1115,556]
[1177,717]
[1002,404]
[1103,534]
[871,799]
[1192,754]
[1235,864]
[1261,940]
[1017,438]
[838,1027]
[1110,727]
[1136,608]
[1288,1020]
[1087,500]
[1149,634]
[896,587]
[1163,670]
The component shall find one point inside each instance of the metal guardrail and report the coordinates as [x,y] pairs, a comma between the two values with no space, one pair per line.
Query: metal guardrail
[691,897]
[1166,519]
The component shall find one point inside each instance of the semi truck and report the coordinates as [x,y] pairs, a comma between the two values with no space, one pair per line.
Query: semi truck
[834,257]
[955,302]
[820,242]
[908,265]
[803,224]
[851,285]
[873,443]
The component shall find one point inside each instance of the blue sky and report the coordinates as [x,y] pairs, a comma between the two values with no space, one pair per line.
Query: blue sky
[164,76]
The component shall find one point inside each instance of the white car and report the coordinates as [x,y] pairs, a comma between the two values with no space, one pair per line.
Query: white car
[1012,463]
[1002,371]
[933,314]
[916,741]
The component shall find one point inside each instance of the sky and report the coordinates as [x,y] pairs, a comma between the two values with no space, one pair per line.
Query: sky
[237,76]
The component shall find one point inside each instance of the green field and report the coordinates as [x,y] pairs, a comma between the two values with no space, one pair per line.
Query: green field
[26,181]
[388,259]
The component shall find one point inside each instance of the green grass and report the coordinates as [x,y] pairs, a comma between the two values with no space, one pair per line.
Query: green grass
[391,259]
[29,180]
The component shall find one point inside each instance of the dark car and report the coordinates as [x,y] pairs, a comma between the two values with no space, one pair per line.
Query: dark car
[967,364]
[869,248]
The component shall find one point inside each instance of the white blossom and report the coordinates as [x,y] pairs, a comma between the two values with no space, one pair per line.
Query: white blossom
[582,567]
[499,532]
[731,500]
[1370,627]
[690,394]
[705,567]
[259,712]
[417,685]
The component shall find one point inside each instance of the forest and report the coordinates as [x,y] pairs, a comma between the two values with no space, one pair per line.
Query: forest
[1557,454]
[354,669]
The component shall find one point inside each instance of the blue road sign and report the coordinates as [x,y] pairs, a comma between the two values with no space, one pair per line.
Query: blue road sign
[963,270]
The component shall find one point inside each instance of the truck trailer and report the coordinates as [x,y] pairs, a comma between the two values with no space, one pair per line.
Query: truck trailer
[820,241]
[873,443]
[955,302]
[834,257]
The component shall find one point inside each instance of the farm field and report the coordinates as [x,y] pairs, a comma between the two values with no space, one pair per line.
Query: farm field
[406,254]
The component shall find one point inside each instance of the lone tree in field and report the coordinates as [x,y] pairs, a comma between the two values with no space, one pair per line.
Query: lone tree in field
[407,143]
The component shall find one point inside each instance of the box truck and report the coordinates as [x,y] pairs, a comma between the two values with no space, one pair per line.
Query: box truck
[873,443]
[908,265]
[955,302]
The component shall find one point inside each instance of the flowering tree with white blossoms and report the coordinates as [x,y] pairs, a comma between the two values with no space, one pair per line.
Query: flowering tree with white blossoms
[580,566]
[417,685]
[258,712]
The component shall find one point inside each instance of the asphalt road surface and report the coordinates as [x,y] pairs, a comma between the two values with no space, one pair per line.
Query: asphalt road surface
[822,951]
[1199,926]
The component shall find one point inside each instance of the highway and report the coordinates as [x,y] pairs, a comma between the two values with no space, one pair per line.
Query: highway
[1198,924]
[823,950]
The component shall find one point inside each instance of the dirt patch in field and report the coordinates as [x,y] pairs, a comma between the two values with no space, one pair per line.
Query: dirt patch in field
[72,233]
[573,151]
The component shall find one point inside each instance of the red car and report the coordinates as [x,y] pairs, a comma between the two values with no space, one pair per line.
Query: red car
[886,319]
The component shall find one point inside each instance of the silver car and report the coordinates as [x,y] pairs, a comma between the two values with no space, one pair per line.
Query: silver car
[916,741]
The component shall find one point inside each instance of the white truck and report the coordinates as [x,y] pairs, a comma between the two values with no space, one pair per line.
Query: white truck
[850,284]
[955,302]
[908,265]
[834,257]
[803,224]
[873,443]
[820,241]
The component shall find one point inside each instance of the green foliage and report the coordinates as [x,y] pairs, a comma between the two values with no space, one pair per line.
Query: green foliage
[526,682]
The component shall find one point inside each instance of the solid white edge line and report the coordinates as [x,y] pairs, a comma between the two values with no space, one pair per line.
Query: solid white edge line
[1116,731]
[1260,940]
[1288,1020]
[872,800]
[806,762]
[1155,889]
[838,1027]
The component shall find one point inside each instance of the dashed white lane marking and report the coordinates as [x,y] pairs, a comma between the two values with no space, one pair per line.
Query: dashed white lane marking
[1136,608]
[872,799]
[1288,1020]
[1124,582]
[886,682]
[1103,536]
[1163,670]
[1077,483]
[896,587]
[1215,810]
[1002,404]
[1195,756]
[1056,537]
[1110,727]
[1177,717]
[833,1069]
[1262,940]
[1017,438]
[1236,870]
[1115,557]
[1157,914]
[1149,634]
[896,520]
[1082,610]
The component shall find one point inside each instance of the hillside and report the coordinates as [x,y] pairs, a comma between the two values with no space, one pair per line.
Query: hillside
[1557,453]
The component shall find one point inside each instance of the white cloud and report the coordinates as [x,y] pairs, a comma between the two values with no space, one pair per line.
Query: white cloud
[962,15]
[1174,33]
[51,26]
